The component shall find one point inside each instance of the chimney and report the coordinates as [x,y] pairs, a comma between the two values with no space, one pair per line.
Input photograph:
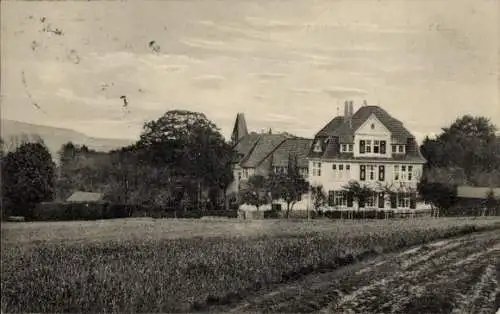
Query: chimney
[351,109]
[346,109]
[365,103]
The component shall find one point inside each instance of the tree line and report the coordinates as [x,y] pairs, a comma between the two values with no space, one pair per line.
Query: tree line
[181,160]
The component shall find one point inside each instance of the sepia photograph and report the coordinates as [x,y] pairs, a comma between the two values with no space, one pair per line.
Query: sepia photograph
[250,156]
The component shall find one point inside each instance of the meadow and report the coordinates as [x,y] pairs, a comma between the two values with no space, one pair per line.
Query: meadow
[169,265]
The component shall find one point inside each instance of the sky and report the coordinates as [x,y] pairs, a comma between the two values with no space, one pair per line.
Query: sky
[287,65]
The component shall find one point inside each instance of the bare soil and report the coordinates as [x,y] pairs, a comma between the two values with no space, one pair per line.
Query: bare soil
[459,275]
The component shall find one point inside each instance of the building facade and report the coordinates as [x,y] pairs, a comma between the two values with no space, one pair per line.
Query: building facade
[369,147]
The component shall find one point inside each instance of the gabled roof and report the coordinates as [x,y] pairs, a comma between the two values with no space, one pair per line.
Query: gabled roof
[338,126]
[338,131]
[245,145]
[298,146]
[83,197]
[265,144]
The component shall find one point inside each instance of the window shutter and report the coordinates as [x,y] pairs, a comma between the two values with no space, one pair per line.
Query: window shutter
[381,200]
[382,147]
[362,172]
[349,199]
[393,200]
[381,173]
[361,147]
[413,200]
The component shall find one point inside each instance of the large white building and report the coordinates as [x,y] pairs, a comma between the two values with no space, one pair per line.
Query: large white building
[368,146]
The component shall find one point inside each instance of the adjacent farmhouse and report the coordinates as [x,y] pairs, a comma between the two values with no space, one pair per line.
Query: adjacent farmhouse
[368,146]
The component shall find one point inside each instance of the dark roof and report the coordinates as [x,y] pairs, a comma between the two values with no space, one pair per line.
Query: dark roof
[298,146]
[239,129]
[339,131]
[339,126]
[83,197]
[244,146]
[265,144]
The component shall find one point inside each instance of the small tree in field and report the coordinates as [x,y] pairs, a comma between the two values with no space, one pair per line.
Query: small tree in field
[491,202]
[256,192]
[289,186]
[318,197]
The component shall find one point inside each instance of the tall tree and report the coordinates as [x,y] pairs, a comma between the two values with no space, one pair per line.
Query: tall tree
[28,176]
[190,145]
[289,186]
[469,144]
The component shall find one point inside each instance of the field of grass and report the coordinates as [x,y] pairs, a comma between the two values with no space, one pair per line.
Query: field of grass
[145,265]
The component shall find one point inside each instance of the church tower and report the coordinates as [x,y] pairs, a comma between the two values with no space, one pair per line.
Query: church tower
[240,128]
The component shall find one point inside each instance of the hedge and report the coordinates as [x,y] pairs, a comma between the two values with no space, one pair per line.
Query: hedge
[94,211]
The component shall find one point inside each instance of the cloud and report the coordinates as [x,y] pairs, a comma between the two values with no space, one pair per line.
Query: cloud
[305,91]
[208,81]
[268,75]
[342,92]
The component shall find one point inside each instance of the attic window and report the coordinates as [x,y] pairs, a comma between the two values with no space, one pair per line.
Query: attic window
[373,126]
[317,147]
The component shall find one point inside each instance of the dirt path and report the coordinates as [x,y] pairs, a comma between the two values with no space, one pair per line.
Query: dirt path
[460,275]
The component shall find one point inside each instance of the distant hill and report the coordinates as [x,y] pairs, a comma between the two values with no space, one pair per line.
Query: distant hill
[54,138]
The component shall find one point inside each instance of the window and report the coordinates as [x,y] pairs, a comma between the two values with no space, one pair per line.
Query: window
[401,148]
[382,147]
[351,146]
[368,146]
[347,167]
[394,148]
[245,173]
[239,175]
[317,169]
[340,198]
[371,200]
[341,167]
[372,147]
[303,171]
[317,147]
[381,173]
[403,200]
[362,147]
[403,173]
[337,198]
[334,167]
[396,172]
[362,172]
[344,147]
[371,172]
[376,146]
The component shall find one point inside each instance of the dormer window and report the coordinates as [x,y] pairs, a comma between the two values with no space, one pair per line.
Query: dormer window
[346,148]
[398,149]
[317,147]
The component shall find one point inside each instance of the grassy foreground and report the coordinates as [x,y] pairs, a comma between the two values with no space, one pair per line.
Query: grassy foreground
[135,265]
